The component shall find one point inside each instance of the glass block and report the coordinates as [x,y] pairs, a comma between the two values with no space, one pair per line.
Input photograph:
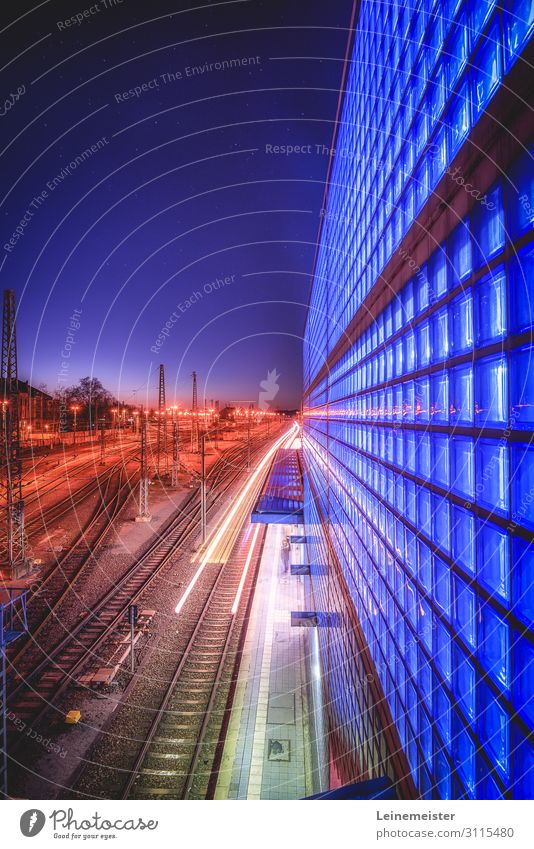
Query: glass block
[440,336]
[460,253]
[463,466]
[408,302]
[461,401]
[425,736]
[410,450]
[490,307]
[423,344]
[441,522]
[523,682]
[523,485]
[463,538]
[442,649]
[425,679]
[458,119]
[438,155]
[442,584]
[461,324]
[521,286]
[437,274]
[518,20]
[422,290]
[479,13]
[423,456]
[494,645]
[488,226]
[464,611]
[522,766]
[442,775]
[494,729]
[409,352]
[492,475]
[491,391]
[522,387]
[464,678]
[439,397]
[520,196]
[523,580]
[494,560]
[443,714]
[411,502]
[422,400]
[425,566]
[488,787]
[440,459]
[464,757]
[486,70]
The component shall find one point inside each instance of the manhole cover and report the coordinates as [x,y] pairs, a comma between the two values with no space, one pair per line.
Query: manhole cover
[279,750]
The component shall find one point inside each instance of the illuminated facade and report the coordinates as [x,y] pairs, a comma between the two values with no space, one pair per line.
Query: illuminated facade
[419,402]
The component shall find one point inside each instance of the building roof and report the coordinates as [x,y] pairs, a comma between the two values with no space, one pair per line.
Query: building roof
[282,496]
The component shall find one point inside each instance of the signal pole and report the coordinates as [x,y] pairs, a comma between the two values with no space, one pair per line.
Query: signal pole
[194,421]
[103,441]
[248,435]
[13,538]
[203,488]
[143,514]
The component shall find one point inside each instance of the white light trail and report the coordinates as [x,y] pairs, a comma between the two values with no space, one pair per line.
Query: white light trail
[245,570]
[232,512]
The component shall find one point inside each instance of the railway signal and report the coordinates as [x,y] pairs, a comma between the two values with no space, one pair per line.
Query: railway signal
[133,615]
[103,441]
[194,418]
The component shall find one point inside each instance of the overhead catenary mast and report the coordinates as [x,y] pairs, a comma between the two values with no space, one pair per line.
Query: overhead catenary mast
[162,423]
[143,514]
[13,561]
[175,449]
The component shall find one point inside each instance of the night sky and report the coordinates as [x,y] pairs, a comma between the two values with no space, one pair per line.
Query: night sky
[176,189]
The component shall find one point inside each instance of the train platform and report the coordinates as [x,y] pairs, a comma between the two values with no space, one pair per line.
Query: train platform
[269,751]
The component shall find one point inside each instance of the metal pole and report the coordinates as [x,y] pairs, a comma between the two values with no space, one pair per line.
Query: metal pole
[203,487]
[175,454]
[248,441]
[143,514]
[103,442]
[132,629]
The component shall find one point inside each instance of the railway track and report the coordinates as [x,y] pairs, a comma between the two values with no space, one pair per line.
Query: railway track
[65,471]
[45,602]
[179,739]
[163,740]
[42,682]
[43,517]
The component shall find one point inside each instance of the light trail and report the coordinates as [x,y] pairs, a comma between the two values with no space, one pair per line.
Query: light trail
[245,570]
[287,437]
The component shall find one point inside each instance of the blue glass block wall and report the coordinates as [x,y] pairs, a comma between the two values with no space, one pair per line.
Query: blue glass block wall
[419,438]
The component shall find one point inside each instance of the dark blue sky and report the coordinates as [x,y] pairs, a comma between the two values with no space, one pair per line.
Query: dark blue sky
[180,189]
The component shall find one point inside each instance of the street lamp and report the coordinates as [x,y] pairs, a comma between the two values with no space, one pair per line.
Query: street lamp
[74,409]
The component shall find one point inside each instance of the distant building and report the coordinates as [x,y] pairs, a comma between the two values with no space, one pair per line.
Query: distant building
[227,414]
[36,408]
